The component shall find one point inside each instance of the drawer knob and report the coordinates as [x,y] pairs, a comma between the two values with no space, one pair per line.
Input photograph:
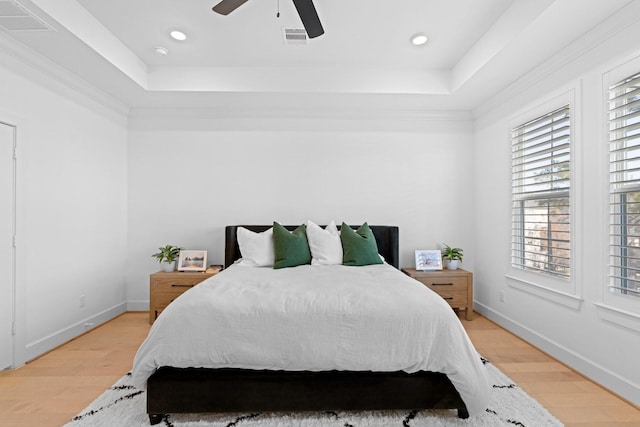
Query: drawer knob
[447,297]
[178,285]
[442,284]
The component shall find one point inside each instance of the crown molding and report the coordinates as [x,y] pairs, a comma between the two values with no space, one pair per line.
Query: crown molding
[369,113]
[621,21]
[26,62]
[302,119]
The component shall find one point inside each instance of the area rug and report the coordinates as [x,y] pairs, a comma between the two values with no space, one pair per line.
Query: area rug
[124,405]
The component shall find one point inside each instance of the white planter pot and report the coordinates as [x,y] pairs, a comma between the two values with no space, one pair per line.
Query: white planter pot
[452,264]
[168,266]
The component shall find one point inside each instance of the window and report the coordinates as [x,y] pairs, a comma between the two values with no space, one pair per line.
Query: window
[624,186]
[541,226]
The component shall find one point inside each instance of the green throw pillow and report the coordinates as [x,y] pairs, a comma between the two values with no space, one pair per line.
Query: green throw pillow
[290,248]
[359,247]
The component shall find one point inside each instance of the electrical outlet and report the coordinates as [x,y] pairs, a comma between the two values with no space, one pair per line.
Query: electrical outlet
[501,293]
[83,301]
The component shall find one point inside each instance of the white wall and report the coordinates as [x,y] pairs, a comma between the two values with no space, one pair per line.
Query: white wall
[97,196]
[190,177]
[570,327]
[72,185]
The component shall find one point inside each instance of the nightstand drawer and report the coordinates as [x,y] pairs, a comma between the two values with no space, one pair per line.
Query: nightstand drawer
[165,298]
[445,284]
[175,284]
[454,298]
[165,287]
[454,286]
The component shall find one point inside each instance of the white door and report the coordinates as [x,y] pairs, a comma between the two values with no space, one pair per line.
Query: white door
[7,296]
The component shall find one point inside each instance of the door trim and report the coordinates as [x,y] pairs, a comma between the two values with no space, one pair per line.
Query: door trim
[13,263]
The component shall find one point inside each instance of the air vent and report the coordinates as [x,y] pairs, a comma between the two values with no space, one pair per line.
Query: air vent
[15,17]
[295,36]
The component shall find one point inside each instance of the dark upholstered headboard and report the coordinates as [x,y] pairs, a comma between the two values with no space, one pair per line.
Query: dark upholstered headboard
[386,239]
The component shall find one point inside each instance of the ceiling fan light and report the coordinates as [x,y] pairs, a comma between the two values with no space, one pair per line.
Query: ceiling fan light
[419,39]
[178,35]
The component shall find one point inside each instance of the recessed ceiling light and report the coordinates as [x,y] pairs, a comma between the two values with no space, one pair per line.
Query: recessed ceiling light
[419,39]
[160,50]
[178,35]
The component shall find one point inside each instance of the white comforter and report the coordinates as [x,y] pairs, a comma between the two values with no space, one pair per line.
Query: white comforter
[315,318]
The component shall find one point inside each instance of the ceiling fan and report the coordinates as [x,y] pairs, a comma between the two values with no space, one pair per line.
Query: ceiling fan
[306,10]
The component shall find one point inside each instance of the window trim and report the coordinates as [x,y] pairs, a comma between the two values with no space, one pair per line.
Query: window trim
[613,307]
[618,316]
[567,292]
[571,301]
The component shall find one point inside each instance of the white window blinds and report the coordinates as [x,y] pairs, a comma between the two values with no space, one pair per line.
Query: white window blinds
[624,186]
[541,227]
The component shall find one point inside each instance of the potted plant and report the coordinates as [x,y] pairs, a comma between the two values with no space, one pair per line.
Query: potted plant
[452,256]
[167,257]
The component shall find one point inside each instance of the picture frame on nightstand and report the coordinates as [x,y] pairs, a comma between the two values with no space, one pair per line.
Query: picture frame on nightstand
[428,260]
[192,260]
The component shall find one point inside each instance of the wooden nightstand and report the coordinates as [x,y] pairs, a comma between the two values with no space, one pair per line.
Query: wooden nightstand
[455,286]
[164,287]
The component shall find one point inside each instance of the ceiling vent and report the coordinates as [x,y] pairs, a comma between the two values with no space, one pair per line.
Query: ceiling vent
[15,17]
[295,36]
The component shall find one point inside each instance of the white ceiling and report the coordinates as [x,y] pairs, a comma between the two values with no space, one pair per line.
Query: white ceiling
[475,49]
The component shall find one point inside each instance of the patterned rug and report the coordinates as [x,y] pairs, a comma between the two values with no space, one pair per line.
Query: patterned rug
[124,405]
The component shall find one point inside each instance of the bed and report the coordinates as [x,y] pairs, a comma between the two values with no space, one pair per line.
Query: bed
[335,376]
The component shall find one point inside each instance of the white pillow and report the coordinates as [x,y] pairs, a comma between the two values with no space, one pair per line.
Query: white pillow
[256,248]
[325,245]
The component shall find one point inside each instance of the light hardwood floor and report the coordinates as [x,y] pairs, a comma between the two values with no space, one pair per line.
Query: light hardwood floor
[53,388]
[569,396]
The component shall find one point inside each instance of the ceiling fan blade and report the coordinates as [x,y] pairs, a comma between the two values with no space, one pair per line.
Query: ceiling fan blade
[225,7]
[309,17]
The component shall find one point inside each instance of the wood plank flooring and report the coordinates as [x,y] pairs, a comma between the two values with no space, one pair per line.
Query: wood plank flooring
[53,388]
[569,396]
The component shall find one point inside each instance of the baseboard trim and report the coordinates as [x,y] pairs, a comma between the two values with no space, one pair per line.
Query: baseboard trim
[48,343]
[595,372]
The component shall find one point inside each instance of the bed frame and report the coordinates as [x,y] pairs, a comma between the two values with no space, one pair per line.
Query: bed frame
[196,390]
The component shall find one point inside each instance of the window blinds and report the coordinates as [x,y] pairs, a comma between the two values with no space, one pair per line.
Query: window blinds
[624,186]
[541,178]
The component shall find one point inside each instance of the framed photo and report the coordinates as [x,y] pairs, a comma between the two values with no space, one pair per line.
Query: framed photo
[192,261]
[428,260]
